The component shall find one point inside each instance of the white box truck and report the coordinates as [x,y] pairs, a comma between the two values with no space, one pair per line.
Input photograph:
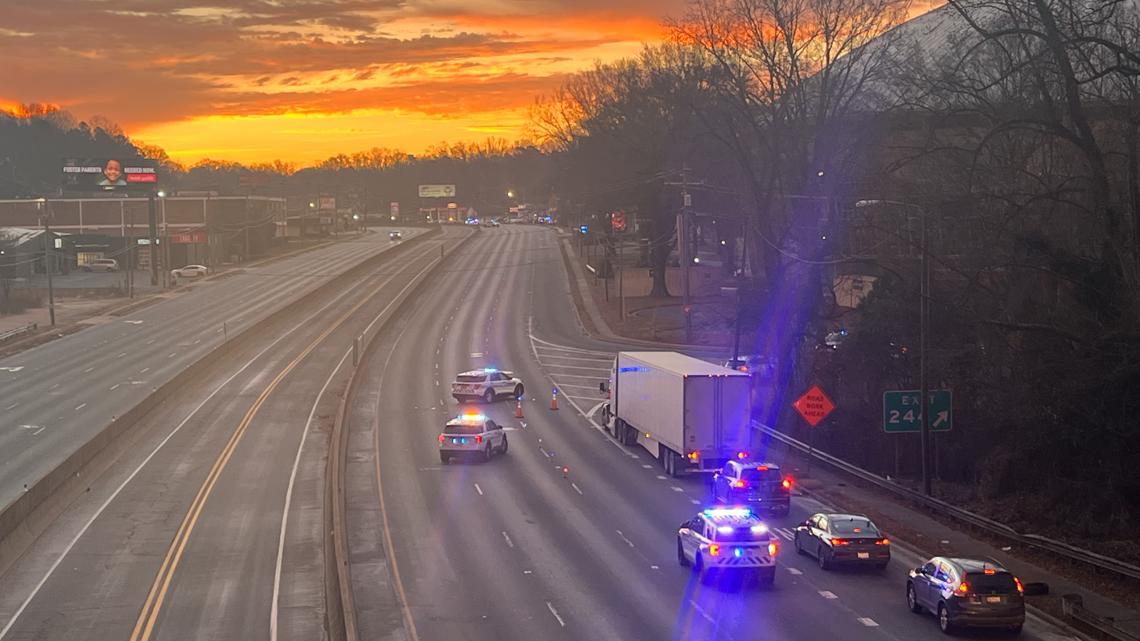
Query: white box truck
[690,414]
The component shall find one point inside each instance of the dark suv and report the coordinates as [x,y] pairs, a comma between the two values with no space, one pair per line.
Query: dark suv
[967,593]
[757,485]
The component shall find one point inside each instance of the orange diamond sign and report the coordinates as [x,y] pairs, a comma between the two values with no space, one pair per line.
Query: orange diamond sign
[814,405]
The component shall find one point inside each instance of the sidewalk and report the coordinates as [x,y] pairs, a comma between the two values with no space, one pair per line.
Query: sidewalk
[1104,594]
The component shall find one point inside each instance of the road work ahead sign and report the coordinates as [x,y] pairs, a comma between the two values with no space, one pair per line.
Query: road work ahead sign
[814,406]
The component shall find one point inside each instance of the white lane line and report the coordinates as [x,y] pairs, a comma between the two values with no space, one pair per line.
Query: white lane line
[654,567]
[595,408]
[289,499]
[603,370]
[589,378]
[115,386]
[627,541]
[576,488]
[678,489]
[701,611]
[88,370]
[12,406]
[54,386]
[197,341]
[550,606]
[544,452]
[144,370]
[827,594]
[118,490]
[172,354]
[694,501]
[661,477]
[151,341]
[607,361]
[564,348]
[121,355]
[80,406]
[647,466]
[870,623]
[510,543]
[479,489]
[593,388]
[795,571]
[579,398]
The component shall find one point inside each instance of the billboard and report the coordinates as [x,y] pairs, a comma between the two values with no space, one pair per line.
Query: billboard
[109,174]
[437,191]
[326,203]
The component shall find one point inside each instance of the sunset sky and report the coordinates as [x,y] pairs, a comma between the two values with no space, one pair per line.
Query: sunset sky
[255,80]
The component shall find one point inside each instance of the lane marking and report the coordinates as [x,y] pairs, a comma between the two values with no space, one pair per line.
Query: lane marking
[654,567]
[80,406]
[576,488]
[151,341]
[88,370]
[795,571]
[678,489]
[701,611]
[54,386]
[647,466]
[827,594]
[694,501]
[12,406]
[627,541]
[510,543]
[479,489]
[544,452]
[275,606]
[661,477]
[115,386]
[550,606]
[172,354]
[870,623]
[121,355]
[597,407]
[144,370]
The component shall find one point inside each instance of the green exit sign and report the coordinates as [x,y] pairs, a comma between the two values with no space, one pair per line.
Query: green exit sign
[901,411]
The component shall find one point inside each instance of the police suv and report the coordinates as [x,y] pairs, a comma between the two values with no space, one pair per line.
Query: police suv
[486,384]
[471,435]
[727,538]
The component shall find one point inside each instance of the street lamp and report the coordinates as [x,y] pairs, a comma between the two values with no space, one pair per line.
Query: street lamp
[45,220]
[923,312]
[510,193]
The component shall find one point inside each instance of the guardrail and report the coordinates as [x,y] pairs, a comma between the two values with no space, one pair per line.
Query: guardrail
[19,331]
[989,525]
[1073,606]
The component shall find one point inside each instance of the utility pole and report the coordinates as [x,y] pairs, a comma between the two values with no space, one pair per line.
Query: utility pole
[48,242]
[245,220]
[152,217]
[131,244]
[924,392]
[686,259]
[621,279]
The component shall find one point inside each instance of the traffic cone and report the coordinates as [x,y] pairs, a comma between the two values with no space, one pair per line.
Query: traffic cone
[554,400]
[518,408]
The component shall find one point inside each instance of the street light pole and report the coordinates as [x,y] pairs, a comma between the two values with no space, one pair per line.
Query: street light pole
[46,220]
[923,313]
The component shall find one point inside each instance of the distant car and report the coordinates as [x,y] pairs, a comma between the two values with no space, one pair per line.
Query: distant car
[471,435]
[190,271]
[758,485]
[101,265]
[967,593]
[395,235]
[494,223]
[486,384]
[727,538]
[835,539]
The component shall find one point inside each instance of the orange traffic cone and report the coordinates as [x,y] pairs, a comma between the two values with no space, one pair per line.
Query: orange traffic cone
[518,408]
[554,400]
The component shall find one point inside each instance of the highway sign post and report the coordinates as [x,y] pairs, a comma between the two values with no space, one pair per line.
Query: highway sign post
[813,406]
[902,413]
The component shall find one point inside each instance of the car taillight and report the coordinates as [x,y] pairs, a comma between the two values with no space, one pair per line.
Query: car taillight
[742,455]
[963,588]
[1020,587]
[840,542]
[441,438]
[478,438]
[714,550]
[772,548]
[786,484]
[738,484]
[883,541]
[694,456]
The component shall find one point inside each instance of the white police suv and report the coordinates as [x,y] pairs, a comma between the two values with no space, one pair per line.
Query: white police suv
[486,384]
[727,539]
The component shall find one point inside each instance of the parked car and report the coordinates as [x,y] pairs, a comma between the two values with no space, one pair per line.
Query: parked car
[101,265]
[190,271]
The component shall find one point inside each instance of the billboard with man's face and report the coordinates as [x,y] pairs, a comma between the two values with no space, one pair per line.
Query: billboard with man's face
[109,174]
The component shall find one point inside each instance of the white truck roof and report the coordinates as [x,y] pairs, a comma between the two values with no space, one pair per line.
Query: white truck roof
[680,364]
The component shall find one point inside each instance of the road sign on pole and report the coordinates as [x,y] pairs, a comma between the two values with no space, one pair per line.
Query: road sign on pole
[902,414]
[814,405]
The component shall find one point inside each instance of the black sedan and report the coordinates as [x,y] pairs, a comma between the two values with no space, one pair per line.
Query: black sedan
[843,539]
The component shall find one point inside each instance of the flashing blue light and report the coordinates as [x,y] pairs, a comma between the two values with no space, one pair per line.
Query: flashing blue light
[584,228]
[738,552]
[490,370]
[714,512]
[471,417]
[843,331]
[725,529]
[633,368]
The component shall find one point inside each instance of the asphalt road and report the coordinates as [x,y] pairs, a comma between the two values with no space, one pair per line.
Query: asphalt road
[57,396]
[211,525]
[569,535]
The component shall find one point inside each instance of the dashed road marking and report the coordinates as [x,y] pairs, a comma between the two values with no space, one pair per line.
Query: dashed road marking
[144,370]
[701,611]
[678,489]
[870,623]
[576,488]
[510,543]
[550,607]
[647,466]
[12,406]
[172,354]
[88,370]
[795,571]
[661,477]
[479,489]
[80,406]
[827,594]
[627,541]
[115,386]
[694,501]
[121,355]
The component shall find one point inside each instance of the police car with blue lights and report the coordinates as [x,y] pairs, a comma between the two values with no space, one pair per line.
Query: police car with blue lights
[471,435]
[728,539]
[486,384]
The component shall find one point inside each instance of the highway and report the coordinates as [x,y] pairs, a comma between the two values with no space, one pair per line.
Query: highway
[569,535]
[210,525]
[57,396]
